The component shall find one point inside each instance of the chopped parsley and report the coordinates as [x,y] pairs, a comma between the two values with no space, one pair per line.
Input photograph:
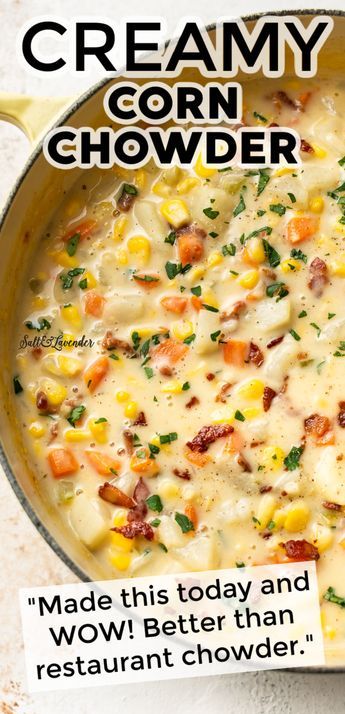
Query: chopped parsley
[72,244]
[316,327]
[239,416]
[341,162]
[340,351]
[136,339]
[196,291]
[170,238]
[173,269]
[190,339]
[292,197]
[167,438]
[215,335]
[277,290]
[295,335]
[260,117]
[154,450]
[149,372]
[155,523]
[41,324]
[154,503]
[330,315]
[291,461]
[263,181]
[67,278]
[129,188]
[271,254]
[210,308]
[331,596]
[229,249]
[76,414]
[83,284]
[241,206]
[101,420]
[298,255]
[184,522]
[303,313]
[278,208]
[211,213]
[213,234]
[17,385]
[163,547]
[185,386]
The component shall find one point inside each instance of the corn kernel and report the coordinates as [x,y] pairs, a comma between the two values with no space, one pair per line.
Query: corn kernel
[119,228]
[319,152]
[251,412]
[209,298]
[76,435]
[55,392]
[68,337]
[169,490]
[117,539]
[175,211]
[172,175]
[181,329]
[337,267]
[223,415]
[254,251]
[265,511]
[195,274]
[279,517]
[120,561]
[317,204]
[70,366]
[121,257]
[140,179]
[322,536]
[99,430]
[71,314]
[290,265]
[252,389]
[283,171]
[38,302]
[172,387]
[122,396]
[62,258]
[140,246]
[72,208]
[187,184]
[36,430]
[214,259]
[201,170]
[272,458]
[91,280]
[249,279]
[131,410]
[161,189]
[297,517]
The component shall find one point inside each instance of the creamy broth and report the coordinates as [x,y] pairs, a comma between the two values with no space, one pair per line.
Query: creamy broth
[212,397]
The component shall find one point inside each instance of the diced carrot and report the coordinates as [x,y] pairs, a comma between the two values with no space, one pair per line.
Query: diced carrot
[196,458]
[169,352]
[84,229]
[190,247]
[149,281]
[141,463]
[102,463]
[304,98]
[326,439]
[62,462]
[191,513]
[95,372]
[94,303]
[235,352]
[301,227]
[174,304]
[196,302]
[234,443]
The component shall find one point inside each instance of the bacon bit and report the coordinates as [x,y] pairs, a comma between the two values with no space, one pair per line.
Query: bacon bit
[269,273]
[275,341]
[184,474]
[265,489]
[268,397]
[140,420]
[255,355]
[166,371]
[135,528]
[192,402]
[191,228]
[42,403]
[306,147]
[319,276]
[283,389]
[244,464]
[128,440]
[254,444]
[332,506]
[223,393]
[266,535]
[210,376]
[126,200]
[110,493]
[299,550]
[341,415]
[317,425]
[141,492]
[281,97]
[37,352]
[53,431]
[207,435]
[111,343]
[235,312]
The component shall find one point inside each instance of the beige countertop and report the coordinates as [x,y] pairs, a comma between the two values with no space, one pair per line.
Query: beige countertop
[25,558]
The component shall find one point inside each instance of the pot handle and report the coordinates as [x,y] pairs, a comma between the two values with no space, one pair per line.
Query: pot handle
[33,115]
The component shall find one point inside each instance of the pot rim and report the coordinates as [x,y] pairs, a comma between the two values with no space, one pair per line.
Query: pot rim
[73,107]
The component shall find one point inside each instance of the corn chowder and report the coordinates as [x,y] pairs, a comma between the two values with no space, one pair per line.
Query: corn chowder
[189,410]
